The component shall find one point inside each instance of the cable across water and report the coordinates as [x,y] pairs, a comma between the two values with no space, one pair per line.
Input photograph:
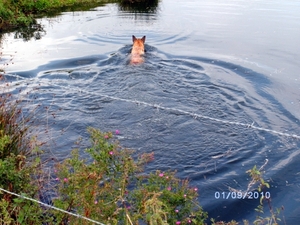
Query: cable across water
[192,114]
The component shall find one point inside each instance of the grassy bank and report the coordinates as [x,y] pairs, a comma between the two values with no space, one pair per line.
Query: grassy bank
[18,13]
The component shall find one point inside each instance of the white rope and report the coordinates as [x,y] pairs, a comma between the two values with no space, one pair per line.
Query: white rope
[52,207]
[194,115]
[158,106]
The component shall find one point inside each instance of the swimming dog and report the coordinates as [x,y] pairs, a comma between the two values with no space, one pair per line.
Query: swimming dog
[138,50]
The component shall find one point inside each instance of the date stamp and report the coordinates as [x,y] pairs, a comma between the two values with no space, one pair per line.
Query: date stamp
[242,195]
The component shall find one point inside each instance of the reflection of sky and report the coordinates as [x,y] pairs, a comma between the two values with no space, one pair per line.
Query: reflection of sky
[250,23]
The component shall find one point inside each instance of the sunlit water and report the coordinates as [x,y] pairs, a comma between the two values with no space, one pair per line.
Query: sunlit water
[217,94]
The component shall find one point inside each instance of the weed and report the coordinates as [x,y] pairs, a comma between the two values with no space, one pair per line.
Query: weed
[19,163]
[113,189]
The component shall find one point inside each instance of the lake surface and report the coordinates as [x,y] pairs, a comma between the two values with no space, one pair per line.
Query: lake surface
[218,93]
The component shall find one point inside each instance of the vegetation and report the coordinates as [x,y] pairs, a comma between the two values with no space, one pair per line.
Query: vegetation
[19,163]
[112,188]
[20,13]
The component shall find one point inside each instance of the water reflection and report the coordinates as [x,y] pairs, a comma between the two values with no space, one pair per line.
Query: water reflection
[134,6]
[35,31]
[142,10]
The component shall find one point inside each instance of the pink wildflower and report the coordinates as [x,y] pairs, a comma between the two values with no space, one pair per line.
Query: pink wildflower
[57,179]
[96,202]
[184,195]
[195,189]
[106,136]
[161,174]
[65,179]
[178,222]
[111,152]
[169,188]
[189,221]
[176,210]
[117,132]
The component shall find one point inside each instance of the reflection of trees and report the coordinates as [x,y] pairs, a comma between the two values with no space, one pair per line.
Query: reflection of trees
[4,60]
[26,32]
[35,31]
[138,5]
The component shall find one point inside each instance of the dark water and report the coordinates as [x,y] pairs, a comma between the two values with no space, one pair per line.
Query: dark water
[218,92]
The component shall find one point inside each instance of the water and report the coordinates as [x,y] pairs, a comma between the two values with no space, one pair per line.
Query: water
[218,92]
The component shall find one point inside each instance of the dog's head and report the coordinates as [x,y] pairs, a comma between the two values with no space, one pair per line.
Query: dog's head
[138,45]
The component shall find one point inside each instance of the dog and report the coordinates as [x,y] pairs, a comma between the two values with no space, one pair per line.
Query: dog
[138,50]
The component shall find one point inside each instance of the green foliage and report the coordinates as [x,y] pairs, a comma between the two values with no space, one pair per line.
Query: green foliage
[227,223]
[16,170]
[113,190]
[273,217]
[5,13]
[15,176]
[4,141]
[256,176]
[20,13]
[13,129]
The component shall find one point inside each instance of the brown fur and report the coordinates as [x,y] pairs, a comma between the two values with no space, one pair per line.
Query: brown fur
[138,50]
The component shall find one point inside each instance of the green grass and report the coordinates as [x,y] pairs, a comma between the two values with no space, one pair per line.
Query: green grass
[18,13]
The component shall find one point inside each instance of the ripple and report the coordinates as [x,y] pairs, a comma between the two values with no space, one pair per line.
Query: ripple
[191,111]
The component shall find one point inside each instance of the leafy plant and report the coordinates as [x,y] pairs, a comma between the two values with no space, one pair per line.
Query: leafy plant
[113,189]
[13,128]
[19,162]
[256,175]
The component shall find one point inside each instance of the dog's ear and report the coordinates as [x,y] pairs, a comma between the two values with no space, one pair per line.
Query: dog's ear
[144,39]
[133,38]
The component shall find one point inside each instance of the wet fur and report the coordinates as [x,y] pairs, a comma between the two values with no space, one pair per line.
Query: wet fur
[138,50]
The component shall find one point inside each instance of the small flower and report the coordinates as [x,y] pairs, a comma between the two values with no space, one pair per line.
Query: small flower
[184,195]
[176,210]
[195,189]
[161,174]
[57,179]
[117,132]
[96,202]
[111,152]
[106,136]
[178,222]
[65,179]
[169,188]
[189,221]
